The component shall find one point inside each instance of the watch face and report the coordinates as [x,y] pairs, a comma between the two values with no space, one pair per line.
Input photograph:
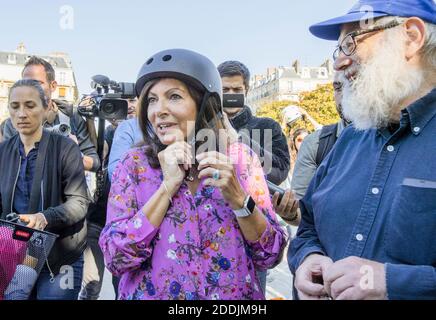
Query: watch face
[242,212]
[248,208]
[251,205]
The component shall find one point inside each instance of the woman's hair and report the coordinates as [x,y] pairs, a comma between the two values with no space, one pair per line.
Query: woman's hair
[209,119]
[292,145]
[33,84]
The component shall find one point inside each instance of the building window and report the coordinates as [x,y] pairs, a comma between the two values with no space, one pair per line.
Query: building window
[62,92]
[62,78]
[306,73]
[3,90]
[322,73]
[12,59]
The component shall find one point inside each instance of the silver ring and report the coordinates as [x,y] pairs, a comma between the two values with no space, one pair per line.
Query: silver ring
[216,174]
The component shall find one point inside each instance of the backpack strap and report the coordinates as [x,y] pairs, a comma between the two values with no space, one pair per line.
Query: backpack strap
[327,139]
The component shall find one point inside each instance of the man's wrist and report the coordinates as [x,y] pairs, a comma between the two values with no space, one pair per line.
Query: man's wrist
[311,256]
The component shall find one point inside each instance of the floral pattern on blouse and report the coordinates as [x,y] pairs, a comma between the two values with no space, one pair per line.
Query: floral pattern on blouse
[199,251]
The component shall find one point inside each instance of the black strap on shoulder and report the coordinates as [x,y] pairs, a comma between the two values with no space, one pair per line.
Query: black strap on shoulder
[327,139]
[35,193]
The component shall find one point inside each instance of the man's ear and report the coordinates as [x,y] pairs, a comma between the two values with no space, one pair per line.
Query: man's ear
[53,86]
[415,36]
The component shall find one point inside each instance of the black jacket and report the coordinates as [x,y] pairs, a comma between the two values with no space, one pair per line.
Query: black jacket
[78,127]
[59,191]
[275,151]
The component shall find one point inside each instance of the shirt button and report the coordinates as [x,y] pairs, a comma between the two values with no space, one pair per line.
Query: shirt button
[359,237]
[391,148]
[375,190]
[416,129]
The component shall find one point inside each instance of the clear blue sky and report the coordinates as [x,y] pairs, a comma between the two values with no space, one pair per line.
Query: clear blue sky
[116,37]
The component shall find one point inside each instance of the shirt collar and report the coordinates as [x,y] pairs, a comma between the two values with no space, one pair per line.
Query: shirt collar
[241,118]
[341,126]
[417,115]
[21,148]
[420,112]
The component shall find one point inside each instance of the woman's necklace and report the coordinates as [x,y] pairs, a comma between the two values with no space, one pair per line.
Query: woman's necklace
[189,175]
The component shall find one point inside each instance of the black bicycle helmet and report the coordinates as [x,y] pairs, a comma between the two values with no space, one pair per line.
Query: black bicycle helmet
[182,64]
[189,67]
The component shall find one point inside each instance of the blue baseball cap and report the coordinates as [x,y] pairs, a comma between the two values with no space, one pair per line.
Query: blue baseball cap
[365,9]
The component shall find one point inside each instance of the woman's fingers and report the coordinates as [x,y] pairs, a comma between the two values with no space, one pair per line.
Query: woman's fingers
[180,153]
[231,132]
[206,172]
[214,159]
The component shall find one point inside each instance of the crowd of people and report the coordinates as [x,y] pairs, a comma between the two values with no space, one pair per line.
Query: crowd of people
[186,211]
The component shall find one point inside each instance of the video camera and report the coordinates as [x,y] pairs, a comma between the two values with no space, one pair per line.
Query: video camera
[104,104]
[62,129]
[107,102]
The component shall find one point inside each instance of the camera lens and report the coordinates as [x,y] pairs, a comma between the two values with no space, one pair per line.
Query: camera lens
[63,128]
[109,108]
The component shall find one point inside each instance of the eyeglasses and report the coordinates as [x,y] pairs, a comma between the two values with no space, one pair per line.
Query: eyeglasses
[348,44]
[337,86]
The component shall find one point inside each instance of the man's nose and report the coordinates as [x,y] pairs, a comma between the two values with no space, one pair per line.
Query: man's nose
[342,62]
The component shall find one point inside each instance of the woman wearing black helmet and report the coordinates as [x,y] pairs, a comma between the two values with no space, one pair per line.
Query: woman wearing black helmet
[181,224]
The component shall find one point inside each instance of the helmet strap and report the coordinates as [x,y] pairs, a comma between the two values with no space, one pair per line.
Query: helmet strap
[201,111]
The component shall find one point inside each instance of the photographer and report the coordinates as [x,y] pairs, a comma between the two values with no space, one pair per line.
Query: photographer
[93,270]
[59,112]
[235,78]
[42,179]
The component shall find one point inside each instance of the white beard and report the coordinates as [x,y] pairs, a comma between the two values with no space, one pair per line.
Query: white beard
[372,99]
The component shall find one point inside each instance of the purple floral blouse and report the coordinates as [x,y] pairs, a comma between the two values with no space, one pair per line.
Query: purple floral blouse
[199,251]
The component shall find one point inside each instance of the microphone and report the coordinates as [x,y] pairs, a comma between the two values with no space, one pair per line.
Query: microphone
[101,80]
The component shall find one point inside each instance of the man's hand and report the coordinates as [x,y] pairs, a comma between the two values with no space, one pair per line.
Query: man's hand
[34,221]
[88,163]
[308,278]
[288,207]
[355,278]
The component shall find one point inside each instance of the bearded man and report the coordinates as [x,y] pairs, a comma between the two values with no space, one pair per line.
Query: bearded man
[369,215]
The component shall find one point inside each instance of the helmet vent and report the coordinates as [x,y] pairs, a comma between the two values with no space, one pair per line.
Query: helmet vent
[149,61]
[167,57]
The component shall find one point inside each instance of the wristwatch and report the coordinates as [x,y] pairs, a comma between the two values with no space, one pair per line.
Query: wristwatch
[247,209]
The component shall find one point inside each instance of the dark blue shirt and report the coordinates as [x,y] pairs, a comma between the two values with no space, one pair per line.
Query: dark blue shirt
[374,197]
[25,179]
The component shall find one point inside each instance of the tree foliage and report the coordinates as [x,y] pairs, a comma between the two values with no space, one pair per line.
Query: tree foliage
[319,104]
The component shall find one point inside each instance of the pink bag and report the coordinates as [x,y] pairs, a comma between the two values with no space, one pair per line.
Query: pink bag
[12,253]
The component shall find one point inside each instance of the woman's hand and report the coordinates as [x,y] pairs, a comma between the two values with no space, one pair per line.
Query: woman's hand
[174,161]
[35,221]
[232,134]
[220,173]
